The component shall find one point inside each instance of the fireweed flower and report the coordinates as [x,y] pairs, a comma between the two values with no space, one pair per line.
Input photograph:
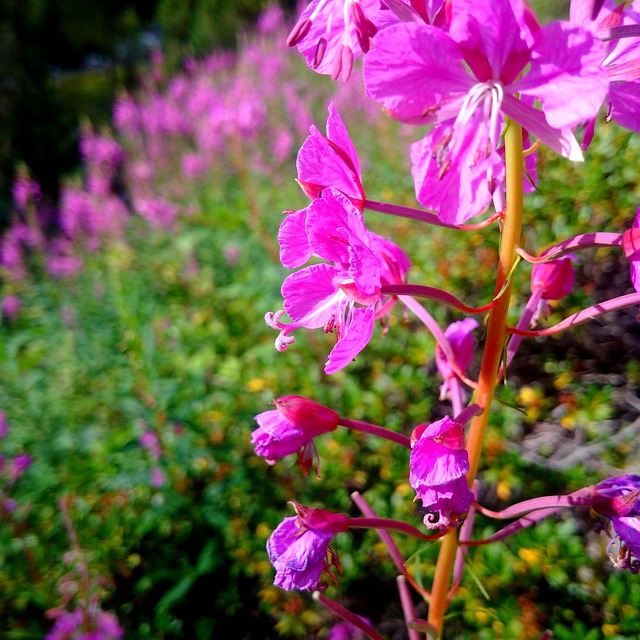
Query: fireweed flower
[341,296]
[460,337]
[291,428]
[438,465]
[621,61]
[619,500]
[331,34]
[465,81]
[299,548]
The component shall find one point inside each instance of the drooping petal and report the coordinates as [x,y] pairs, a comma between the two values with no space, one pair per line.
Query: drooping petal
[563,141]
[276,437]
[458,185]
[357,334]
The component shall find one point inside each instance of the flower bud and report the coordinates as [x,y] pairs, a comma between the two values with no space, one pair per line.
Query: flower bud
[554,278]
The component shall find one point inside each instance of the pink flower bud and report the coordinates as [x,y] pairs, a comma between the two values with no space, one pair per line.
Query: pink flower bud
[554,278]
[306,414]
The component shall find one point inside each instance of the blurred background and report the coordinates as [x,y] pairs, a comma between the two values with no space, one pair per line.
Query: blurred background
[148,152]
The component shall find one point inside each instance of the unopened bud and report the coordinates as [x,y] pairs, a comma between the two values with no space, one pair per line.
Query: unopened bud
[321,520]
[554,278]
[306,414]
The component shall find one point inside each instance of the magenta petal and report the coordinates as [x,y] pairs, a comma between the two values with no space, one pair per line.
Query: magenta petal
[357,333]
[432,463]
[320,164]
[331,221]
[337,132]
[462,190]
[625,104]
[295,249]
[310,295]
[276,437]
[413,84]
[566,74]
[497,29]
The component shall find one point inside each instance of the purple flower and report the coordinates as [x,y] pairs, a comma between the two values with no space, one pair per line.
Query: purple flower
[291,427]
[460,337]
[438,465]
[467,80]
[341,296]
[619,500]
[299,547]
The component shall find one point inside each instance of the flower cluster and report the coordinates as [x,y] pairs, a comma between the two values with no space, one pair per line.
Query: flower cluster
[490,85]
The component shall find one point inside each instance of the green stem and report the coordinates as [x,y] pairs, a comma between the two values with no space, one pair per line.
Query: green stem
[493,349]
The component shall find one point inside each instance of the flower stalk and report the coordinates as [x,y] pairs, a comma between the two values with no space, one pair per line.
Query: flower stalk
[492,355]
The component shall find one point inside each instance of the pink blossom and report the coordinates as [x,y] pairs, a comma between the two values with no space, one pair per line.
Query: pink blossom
[291,428]
[338,297]
[299,547]
[438,465]
[467,80]
[149,440]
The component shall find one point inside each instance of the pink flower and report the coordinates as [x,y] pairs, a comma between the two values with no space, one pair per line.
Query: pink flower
[341,296]
[460,337]
[438,465]
[291,428]
[619,500]
[465,81]
[299,547]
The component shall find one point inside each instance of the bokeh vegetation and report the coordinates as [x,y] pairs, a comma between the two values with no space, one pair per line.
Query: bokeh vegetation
[161,330]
